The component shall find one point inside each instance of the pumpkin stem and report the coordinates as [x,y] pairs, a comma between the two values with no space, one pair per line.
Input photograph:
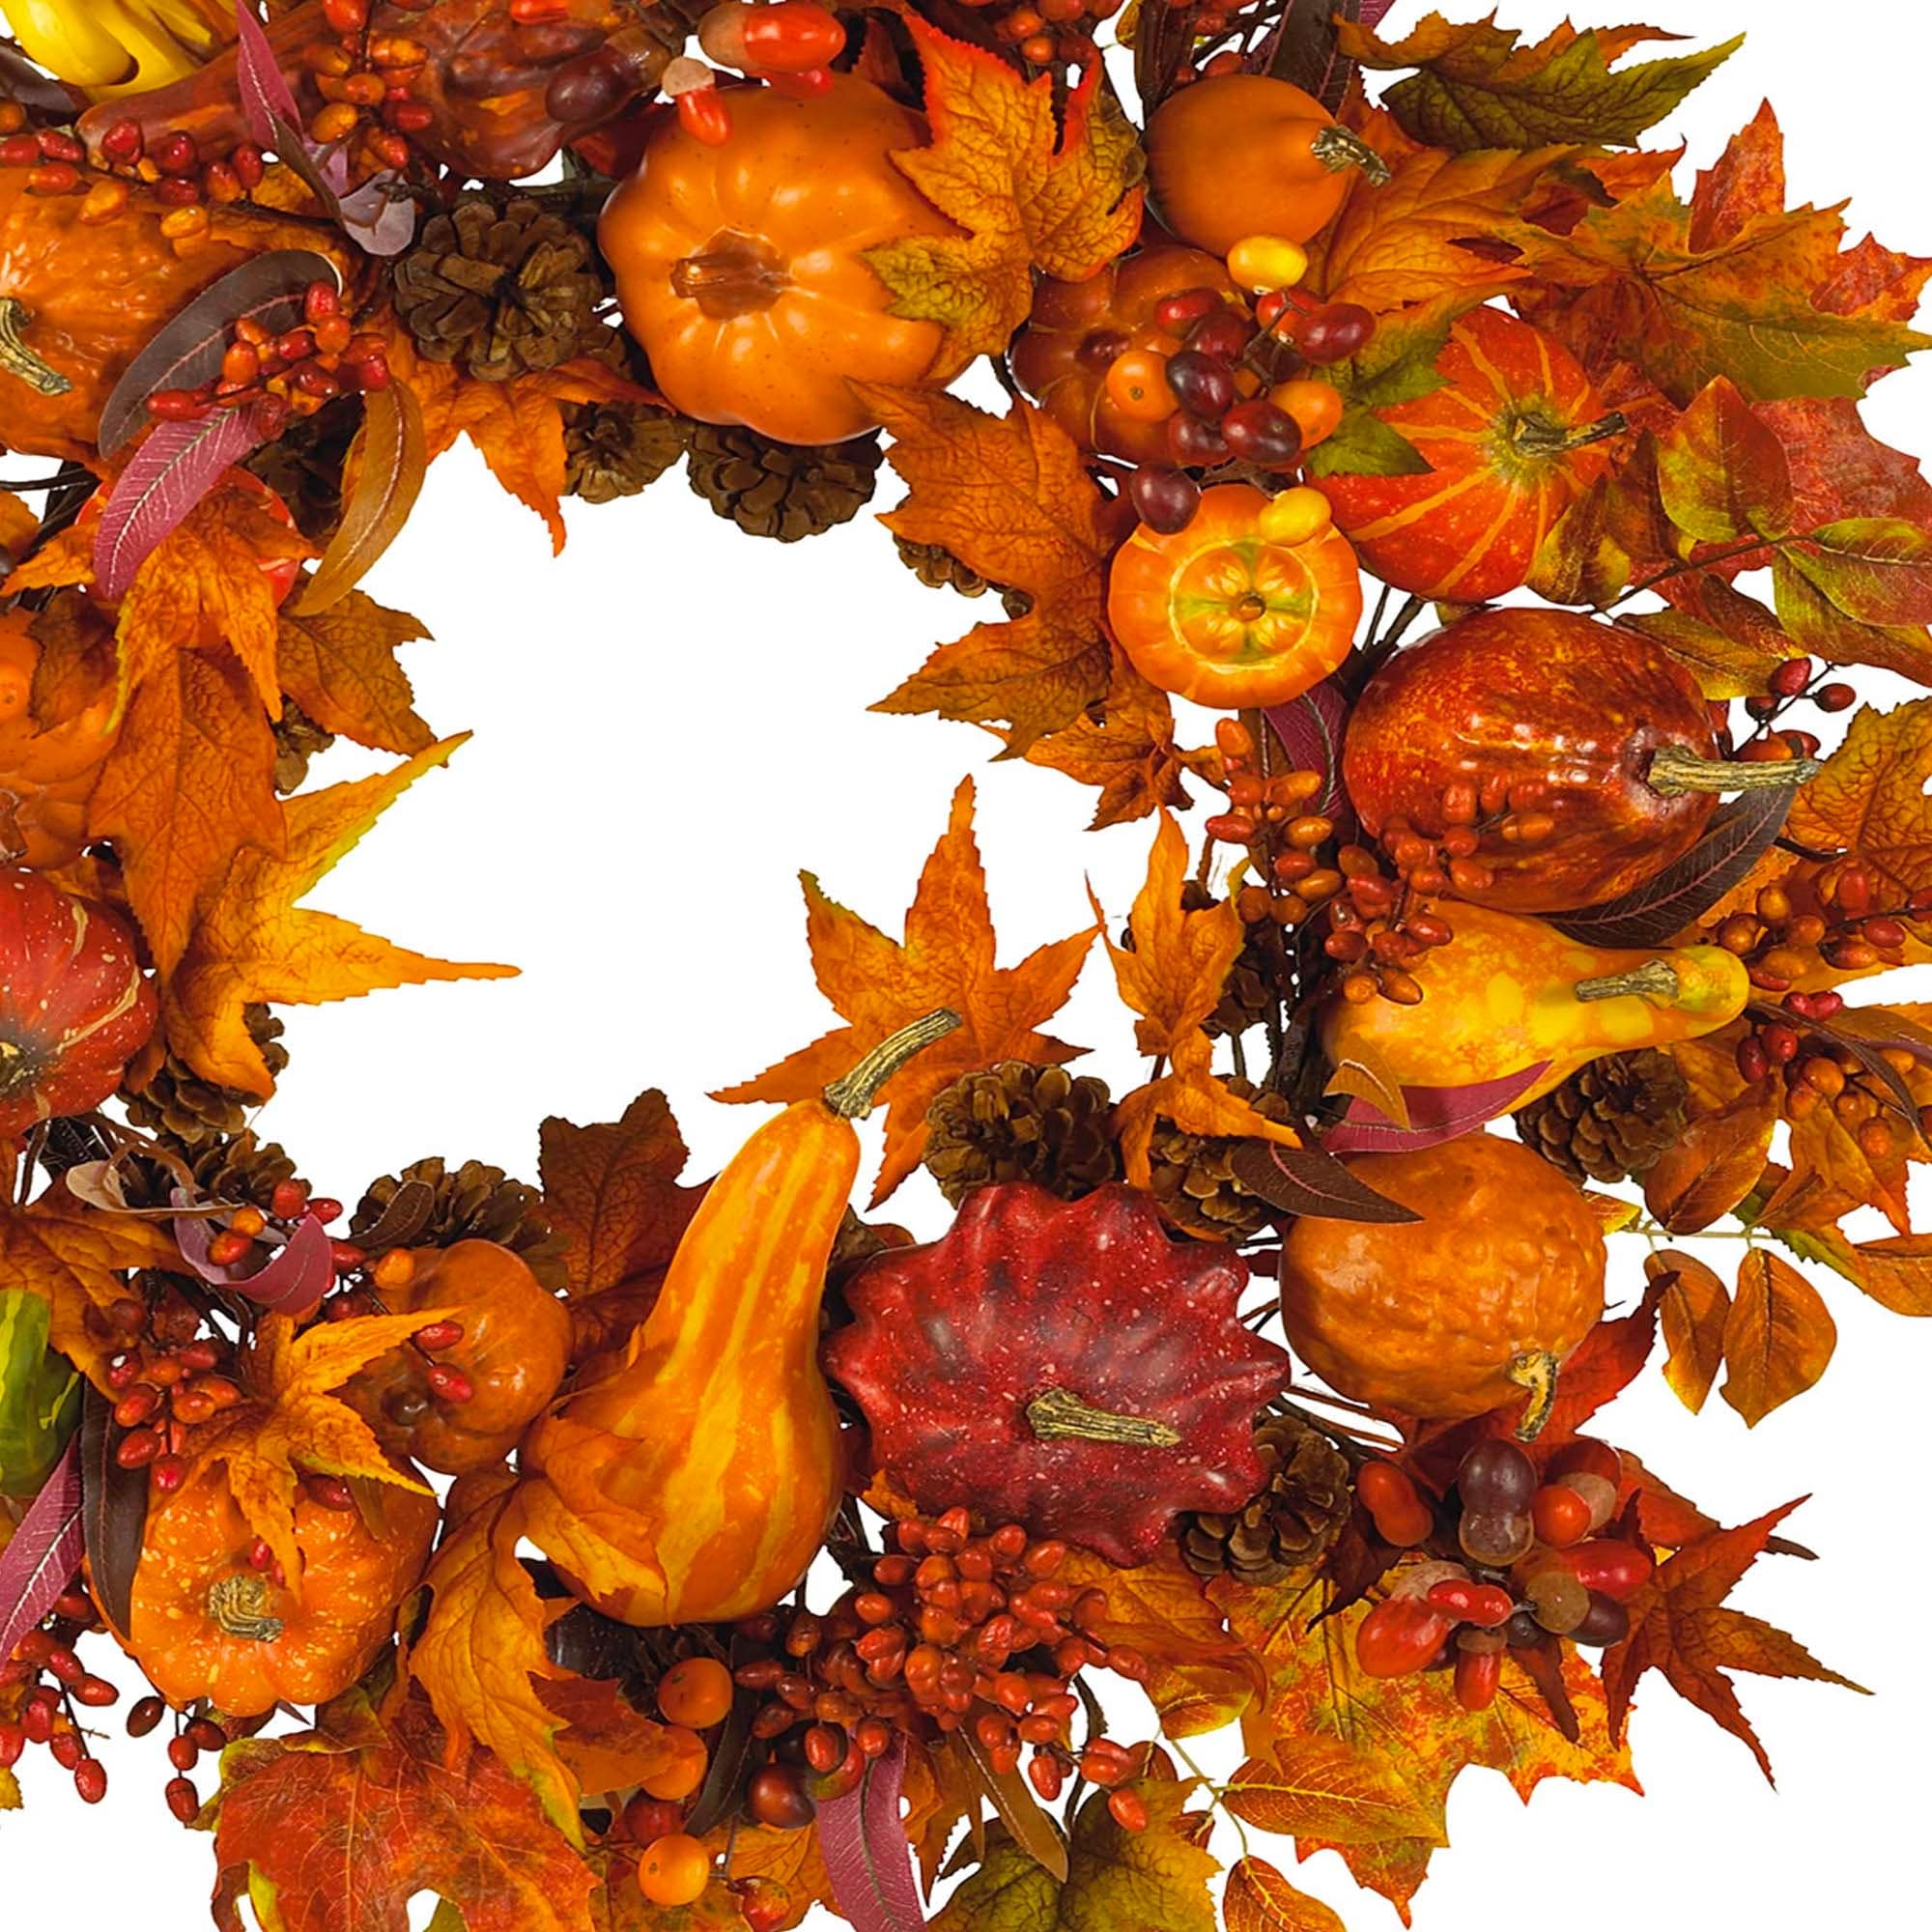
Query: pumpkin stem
[240,1605]
[1653,979]
[851,1098]
[1538,436]
[732,274]
[18,360]
[1674,771]
[1534,1370]
[1336,149]
[1058,1415]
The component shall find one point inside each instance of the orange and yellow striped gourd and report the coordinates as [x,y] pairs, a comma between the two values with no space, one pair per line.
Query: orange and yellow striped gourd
[697,1481]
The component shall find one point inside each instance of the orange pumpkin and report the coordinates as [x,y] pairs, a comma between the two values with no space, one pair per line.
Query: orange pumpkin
[1221,615]
[696,1483]
[1241,153]
[203,1622]
[514,1348]
[45,776]
[742,267]
[1076,329]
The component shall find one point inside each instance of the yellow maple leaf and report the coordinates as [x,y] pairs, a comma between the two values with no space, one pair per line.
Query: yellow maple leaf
[1029,195]
[878,985]
[250,943]
[290,1420]
[1010,498]
[1172,976]
[1870,798]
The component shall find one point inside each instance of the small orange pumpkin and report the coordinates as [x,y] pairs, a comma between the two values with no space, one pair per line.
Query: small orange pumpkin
[45,776]
[742,268]
[514,1348]
[1221,615]
[203,1622]
[1076,329]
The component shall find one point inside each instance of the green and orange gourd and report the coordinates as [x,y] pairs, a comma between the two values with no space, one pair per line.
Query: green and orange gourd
[696,1483]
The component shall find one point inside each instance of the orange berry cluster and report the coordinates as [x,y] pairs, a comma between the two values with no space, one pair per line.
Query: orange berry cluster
[166,1375]
[1268,814]
[1830,915]
[1052,32]
[954,1629]
[367,83]
[43,1688]
[292,373]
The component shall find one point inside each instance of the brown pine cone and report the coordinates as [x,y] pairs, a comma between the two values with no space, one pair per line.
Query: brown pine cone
[303,465]
[618,449]
[442,1206]
[935,566]
[505,290]
[298,738]
[1290,1524]
[242,1169]
[1195,1183]
[179,1107]
[1611,1118]
[1262,965]
[781,490]
[1017,1121]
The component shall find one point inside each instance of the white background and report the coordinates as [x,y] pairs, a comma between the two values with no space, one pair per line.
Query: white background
[672,721]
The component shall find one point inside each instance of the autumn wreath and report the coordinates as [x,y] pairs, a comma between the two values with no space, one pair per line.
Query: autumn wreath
[1579,860]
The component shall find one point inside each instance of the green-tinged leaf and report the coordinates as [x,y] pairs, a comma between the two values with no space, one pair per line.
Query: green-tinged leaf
[1321,1788]
[1259,1899]
[1364,445]
[1476,88]
[1875,569]
[1724,665]
[1722,472]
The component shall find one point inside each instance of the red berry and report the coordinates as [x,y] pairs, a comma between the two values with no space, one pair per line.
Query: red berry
[1261,433]
[1560,1515]
[1164,499]
[450,1384]
[1334,332]
[1203,386]
[1225,333]
[439,1335]
[1196,444]
[184,1800]
[289,1200]
[1178,313]
[1399,1635]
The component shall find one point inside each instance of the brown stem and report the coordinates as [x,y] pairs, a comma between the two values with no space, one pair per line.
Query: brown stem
[1653,979]
[734,274]
[1534,1370]
[240,1605]
[18,360]
[1058,1415]
[851,1098]
[1675,769]
[1538,436]
[1336,149]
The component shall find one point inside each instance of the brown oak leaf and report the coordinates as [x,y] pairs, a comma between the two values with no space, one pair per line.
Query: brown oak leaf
[878,985]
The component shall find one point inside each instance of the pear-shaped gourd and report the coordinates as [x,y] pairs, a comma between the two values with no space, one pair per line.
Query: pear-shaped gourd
[1508,994]
[695,1481]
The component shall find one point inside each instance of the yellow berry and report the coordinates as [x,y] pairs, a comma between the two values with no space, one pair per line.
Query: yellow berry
[1261,262]
[1295,517]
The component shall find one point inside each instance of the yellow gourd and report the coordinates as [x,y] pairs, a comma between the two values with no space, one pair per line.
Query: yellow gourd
[1507,992]
[695,1481]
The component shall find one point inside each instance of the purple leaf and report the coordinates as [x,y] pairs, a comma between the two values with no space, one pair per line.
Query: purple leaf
[382,221]
[1656,911]
[1310,728]
[292,1284]
[1303,46]
[1310,1180]
[866,1855]
[45,1552]
[266,95]
[113,1509]
[1375,12]
[170,473]
[1435,1114]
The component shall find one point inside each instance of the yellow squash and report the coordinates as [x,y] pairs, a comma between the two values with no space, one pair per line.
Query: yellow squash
[696,1483]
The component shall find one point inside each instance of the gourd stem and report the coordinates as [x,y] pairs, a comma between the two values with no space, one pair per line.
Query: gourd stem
[1535,436]
[1534,1370]
[851,1098]
[18,360]
[1674,771]
[1059,1416]
[1653,979]
[239,1606]
[1336,149]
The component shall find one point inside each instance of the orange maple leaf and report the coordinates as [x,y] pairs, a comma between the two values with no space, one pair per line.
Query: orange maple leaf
[1870,798]
[340,665]
[250,943]
[878,985]
[1027,194]
[1172,976]
[1010,498]
[1681,1625]
[517,426]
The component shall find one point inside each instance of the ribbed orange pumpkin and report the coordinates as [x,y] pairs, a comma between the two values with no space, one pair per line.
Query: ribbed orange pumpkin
[1512,439]
[204,1622]
[696,1483]
[513,1350]
[45,776]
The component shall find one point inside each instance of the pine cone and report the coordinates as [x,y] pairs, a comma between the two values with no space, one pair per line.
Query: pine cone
[303,465]
[177,1106]
[1017,1121]
[618,449]
[781,490]
[242,1169]
[297,739]
[1194,1183]
[1610,1119]
[1261,968]
[505,290]
[935,566]
[1286,1527]
[473,1201]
